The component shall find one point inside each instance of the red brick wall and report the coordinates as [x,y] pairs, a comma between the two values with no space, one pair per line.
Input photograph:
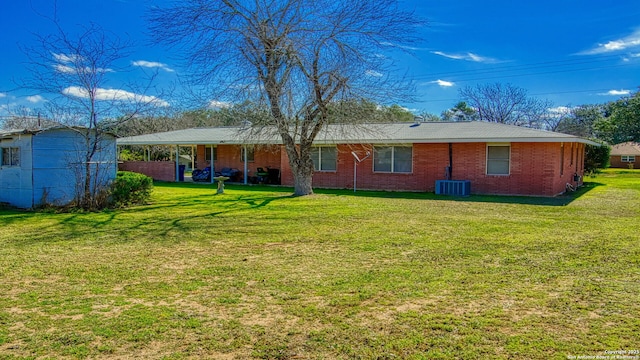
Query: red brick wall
[535,169]
[616,162]
[158,170]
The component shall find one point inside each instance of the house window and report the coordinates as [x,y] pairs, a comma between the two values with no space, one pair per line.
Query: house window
[250,153]
[11,156]
[394,159]
[324,158]
[498,159]
[208,151]
[628,158]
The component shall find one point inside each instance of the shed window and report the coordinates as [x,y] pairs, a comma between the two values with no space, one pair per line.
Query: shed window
[324,158]
[11,156]
[395,159]
[498,159]
[628,158]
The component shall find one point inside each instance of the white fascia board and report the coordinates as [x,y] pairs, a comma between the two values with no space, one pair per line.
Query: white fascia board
[457,141]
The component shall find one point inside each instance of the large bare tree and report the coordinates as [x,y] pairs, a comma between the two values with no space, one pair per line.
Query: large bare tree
[506,104]
[72,69]
[297,57]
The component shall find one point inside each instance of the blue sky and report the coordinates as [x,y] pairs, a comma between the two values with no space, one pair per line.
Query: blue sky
[569,52]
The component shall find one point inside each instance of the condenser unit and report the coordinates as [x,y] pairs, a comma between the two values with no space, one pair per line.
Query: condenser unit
[453,187]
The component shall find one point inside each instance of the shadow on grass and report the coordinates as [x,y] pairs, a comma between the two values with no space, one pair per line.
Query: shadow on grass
[561,200]
[170,214]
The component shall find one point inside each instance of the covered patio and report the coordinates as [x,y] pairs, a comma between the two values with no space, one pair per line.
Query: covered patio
[213,152]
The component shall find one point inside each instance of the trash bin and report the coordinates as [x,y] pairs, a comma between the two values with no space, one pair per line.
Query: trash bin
[181,169]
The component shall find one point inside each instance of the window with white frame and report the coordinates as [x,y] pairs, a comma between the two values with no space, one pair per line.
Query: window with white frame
[498,157]
[394,159]
[11,156]
[628,158]
[325,158]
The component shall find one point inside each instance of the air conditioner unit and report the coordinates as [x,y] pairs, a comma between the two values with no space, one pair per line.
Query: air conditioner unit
[453,187]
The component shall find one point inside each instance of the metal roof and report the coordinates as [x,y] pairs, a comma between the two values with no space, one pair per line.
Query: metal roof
[13,132]
[395,133]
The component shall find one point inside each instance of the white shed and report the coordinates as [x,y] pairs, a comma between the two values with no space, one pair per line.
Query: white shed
[46,166]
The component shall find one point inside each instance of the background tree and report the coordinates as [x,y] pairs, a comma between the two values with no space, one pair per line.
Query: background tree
[345,111]
[505,104]
[581,121]
[428,117]
[460,112]
[296,57]
[25,118]
[73,70]
[623,121]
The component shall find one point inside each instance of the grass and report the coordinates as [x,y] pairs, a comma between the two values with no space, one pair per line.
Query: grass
[256,273]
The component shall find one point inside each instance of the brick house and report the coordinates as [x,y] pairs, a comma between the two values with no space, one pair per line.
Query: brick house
[625,155]
[492,158]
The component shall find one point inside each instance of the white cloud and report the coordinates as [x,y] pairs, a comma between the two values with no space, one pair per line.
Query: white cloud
[2,95]
[630,57]
[215,104]
[373,73]
[114,95]
[152,64]
[442,83]
[35,99]
[467,57]
[560,110]
[65,69]
[67,65]
[63,58]
[450,56]
[630,41]
[620,92]
[405,47]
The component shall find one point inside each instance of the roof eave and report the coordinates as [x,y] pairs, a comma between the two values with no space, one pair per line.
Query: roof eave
[460,140]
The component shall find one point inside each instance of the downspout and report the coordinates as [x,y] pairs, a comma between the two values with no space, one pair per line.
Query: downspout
[450,169]
[245,165]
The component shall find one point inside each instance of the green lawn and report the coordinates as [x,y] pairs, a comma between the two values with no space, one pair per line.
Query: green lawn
[255,273]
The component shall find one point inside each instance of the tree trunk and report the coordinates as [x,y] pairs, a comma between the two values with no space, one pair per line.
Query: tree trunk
[87,203]
[303,179]
[301,167]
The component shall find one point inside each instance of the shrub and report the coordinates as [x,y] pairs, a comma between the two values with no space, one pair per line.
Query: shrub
[130,188]
[596,157]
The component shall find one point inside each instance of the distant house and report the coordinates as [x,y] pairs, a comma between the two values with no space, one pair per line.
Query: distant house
[625,155]
[47,166]
[487,158]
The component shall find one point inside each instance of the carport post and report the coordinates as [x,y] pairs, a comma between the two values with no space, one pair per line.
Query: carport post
[211,165]
[193,158]
[245,164]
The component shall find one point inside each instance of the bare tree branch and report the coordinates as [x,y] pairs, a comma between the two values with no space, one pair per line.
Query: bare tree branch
[296,57]
[506,104]
[73,70]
